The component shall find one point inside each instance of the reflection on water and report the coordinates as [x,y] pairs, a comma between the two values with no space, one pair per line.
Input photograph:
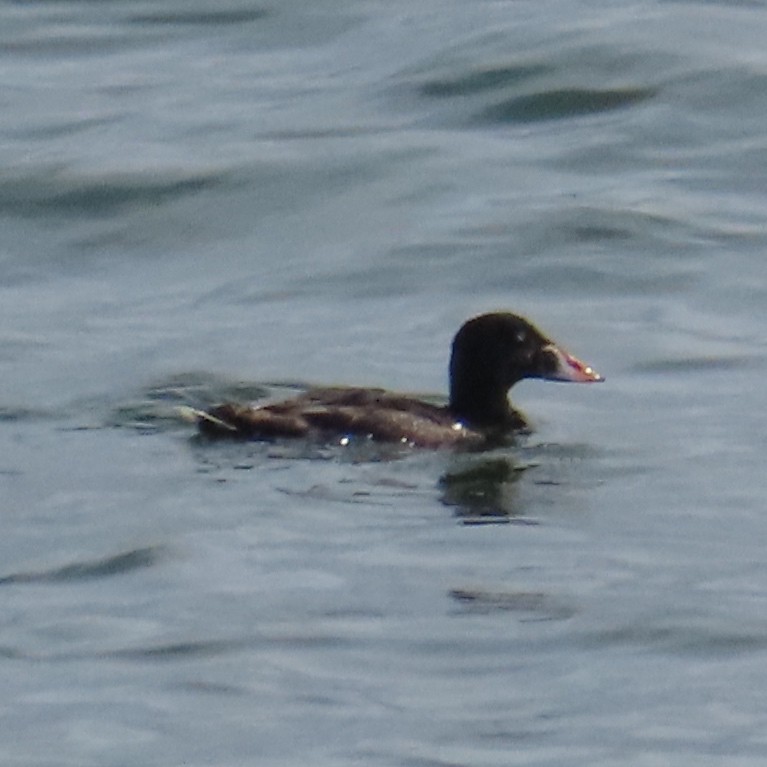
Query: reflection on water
[483,490]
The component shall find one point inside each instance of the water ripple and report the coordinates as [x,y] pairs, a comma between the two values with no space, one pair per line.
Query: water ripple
[534,606]
[486,79]
[14,413]
[203,18]
[136,559]
[59,193]
[156,407]
[180,650]
[700,364]
[563,103]
[693,638]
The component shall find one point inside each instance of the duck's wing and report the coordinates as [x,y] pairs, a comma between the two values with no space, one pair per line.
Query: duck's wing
[428,428]
[374,413]
[248,422]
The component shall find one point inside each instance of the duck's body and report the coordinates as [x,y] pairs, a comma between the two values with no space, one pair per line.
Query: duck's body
[490,354]
[343,411]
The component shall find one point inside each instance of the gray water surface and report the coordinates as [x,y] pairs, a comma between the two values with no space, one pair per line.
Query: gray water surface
[209,200]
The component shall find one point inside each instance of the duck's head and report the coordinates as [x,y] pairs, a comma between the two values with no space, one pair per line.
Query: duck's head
[492,352]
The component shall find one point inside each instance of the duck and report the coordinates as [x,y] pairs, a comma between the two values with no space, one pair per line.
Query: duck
[490,353]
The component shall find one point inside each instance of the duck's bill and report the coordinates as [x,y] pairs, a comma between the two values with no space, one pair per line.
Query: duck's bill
[569,368]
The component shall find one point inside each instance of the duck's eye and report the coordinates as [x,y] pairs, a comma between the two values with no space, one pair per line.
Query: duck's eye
[520,337]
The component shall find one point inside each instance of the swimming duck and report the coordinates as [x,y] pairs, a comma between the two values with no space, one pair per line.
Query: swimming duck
[490,353]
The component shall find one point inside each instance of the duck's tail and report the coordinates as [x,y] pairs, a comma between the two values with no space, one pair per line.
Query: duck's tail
[207,423]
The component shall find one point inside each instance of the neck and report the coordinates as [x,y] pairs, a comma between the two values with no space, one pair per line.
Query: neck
[489,408]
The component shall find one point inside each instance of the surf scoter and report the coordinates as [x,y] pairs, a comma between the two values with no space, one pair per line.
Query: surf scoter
[490,353]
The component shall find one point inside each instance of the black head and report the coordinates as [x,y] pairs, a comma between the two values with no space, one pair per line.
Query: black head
[491,353]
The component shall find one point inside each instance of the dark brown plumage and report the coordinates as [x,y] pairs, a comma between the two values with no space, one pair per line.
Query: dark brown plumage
[490,353]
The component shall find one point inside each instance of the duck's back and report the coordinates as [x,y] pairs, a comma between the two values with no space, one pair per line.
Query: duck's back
[374,413]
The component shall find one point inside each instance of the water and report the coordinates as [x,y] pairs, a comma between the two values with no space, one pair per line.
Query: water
[205,200]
